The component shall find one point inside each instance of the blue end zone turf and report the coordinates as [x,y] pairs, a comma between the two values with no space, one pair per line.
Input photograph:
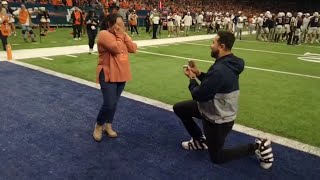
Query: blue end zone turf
[46,126]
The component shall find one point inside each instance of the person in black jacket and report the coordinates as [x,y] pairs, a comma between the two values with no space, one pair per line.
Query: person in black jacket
[215,101]
[147,22]
[92,23]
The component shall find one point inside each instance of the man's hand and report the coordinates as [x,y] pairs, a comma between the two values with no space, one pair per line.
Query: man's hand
[189,73]
[194,68]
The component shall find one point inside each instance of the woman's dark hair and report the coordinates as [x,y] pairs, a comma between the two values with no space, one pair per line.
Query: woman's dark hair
[112,19]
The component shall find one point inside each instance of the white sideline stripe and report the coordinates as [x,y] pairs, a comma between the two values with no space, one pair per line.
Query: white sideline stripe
[255,50]
[46,58]
[69,55]
[311,54]
[309,59]
[240,128]
[249,67]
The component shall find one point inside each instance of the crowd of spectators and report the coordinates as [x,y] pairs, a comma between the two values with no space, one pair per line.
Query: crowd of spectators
[250,7]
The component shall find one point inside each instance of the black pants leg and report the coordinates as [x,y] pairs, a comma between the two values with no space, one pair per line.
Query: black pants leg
[136,29]
[79,29]
[147,28]
[91,36]
[215,134]
[4,40]
[290,36]
[155,29]
[186,110]
[74,31]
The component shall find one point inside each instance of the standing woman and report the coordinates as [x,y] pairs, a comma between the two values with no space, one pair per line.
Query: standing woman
[92,22]
[113,71]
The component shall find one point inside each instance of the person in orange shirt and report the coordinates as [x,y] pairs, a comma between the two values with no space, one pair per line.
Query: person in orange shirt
[133,18]
[77,20]
[25,21]
[113,71]
[5,31]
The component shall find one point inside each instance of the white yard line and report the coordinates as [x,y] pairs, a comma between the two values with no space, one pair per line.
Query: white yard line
[46,58]
[248,67]
[243,129]
[254,50]
[69,55]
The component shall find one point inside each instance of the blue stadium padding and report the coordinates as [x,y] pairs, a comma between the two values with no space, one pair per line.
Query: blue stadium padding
[46,128]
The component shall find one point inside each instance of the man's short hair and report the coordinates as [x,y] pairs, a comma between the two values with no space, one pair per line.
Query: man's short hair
[227,38]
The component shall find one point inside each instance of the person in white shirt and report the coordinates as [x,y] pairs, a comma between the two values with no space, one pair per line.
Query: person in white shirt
[170,20]
[177,23]
[227,22]
[187,23]
[199,22]
[252,24]
[240,25]
[155,18]
[304,28]
[259,26]
[217,23]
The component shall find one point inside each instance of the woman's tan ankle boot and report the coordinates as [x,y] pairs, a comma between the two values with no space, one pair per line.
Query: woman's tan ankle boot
[97,133]
[110,132]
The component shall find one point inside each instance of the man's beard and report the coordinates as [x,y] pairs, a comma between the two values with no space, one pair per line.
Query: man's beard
[215,54]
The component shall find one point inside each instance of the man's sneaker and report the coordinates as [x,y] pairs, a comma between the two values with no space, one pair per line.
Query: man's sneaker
[264,152]
[195,144]
[90,51]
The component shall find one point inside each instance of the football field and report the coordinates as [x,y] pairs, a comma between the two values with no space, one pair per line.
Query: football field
[279,87]
[49,103]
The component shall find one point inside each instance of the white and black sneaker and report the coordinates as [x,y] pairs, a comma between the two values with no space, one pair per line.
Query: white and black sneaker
[264,152]
[195,144]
